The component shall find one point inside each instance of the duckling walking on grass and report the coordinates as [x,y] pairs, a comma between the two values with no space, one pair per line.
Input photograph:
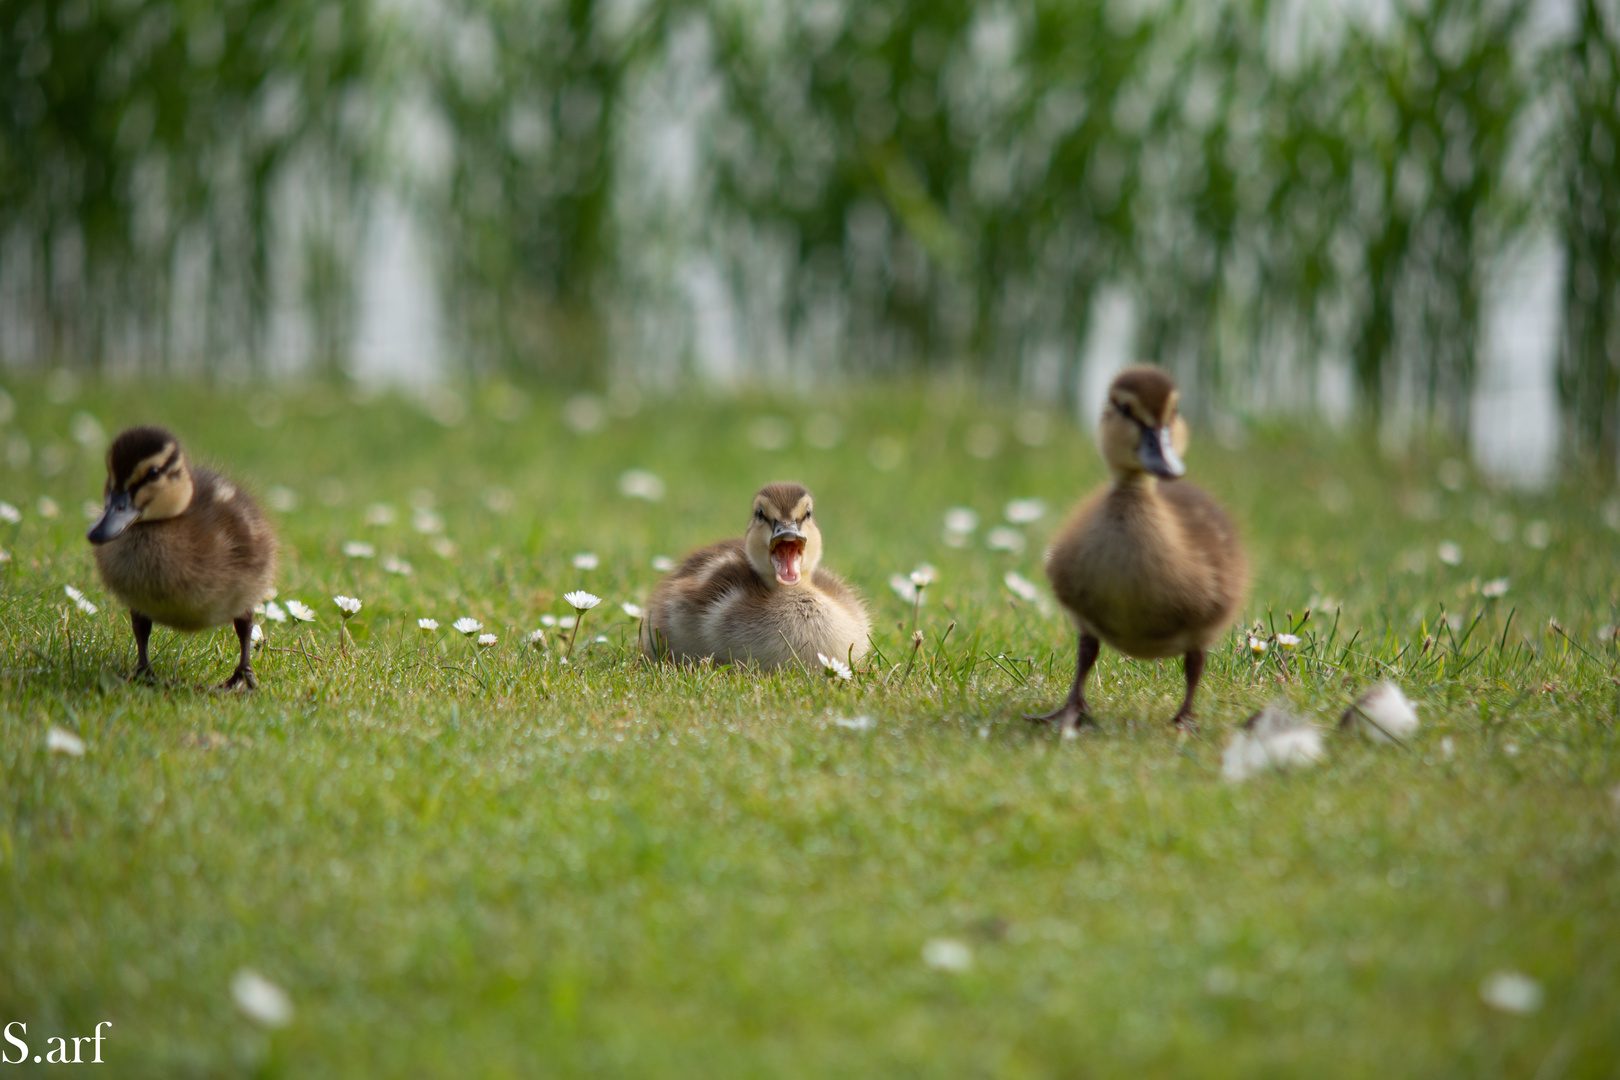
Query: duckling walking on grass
[763,599]
[1153,568]
[181,546]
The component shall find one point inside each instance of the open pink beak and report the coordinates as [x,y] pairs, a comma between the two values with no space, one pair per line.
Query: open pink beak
[787,552]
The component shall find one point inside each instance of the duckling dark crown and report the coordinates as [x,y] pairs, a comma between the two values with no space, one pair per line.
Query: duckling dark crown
[134,446]
[783,496]
[1150,386]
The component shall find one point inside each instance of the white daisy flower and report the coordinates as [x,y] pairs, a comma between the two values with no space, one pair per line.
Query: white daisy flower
[273,611]
[663,563]
[427,522]
[641,484]
[499,500]
[770,433]
[566,622]
[1538,534]
[924,575]
[632,610]
[359,549]
[1496,587]
[1024,511]
[1449,552]
[548,620]
[856,723]
[427,626]
[380,514]
[904,588]
[443,547]
[1511,992]
[5,556]
[1272,738]
[261,1000]
[835,667]
[10,514]
[486,640]
[535,638]
[257,635]
[300,611]
[1258,647]
[349,605]
[586,560]
[1021,586]
[961,519]
[467,626]
[1288,642]
[79,601]
[947,954]
[393,565]
[47,507]
[1001,538]
[580,600]
[61,741]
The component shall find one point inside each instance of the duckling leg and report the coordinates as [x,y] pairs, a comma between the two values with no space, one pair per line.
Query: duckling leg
[243,675]
[1075,714]
[143,633]
[1194,665]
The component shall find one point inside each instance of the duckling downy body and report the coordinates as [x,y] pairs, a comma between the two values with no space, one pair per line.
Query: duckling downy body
[1153,568]
[181,546]
[763,599]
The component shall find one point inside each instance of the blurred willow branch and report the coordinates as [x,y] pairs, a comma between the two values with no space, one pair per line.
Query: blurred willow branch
[1287,190]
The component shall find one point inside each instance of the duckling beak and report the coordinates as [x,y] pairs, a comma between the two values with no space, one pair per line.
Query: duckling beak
[787,551]
[1157,453]
[119,515]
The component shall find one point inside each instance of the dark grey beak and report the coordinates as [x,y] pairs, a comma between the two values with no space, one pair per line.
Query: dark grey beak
[119,515]
[785,530]
[1157,453]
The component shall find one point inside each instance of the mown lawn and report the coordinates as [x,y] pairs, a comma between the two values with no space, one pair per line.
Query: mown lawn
[501,865]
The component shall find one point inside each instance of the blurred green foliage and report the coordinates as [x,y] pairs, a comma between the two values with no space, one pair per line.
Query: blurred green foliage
[1284,187]
[128,129]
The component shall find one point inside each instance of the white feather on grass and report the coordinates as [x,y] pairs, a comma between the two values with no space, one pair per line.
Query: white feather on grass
[1383,714]
[1272,738]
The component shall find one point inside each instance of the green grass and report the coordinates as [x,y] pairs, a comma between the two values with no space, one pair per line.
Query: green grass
[502,865]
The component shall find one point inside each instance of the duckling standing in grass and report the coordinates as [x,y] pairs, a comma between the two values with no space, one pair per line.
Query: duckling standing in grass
[181,546]
[763,599]
[1154,569]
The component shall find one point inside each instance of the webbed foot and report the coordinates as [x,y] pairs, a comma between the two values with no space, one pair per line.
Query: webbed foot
[1071,718]
[242,679]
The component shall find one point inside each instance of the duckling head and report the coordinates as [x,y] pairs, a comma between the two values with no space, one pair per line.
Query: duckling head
[1141,433]
[147,480]
[783,542]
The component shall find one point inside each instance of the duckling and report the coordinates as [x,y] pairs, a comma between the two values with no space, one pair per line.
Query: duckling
[763,599]
[181,546]
[1155,569]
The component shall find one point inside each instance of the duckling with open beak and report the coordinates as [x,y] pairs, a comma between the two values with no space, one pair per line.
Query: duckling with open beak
[763,599]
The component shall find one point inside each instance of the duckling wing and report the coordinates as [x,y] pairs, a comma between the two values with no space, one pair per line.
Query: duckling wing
[204,568]
[681,613]
[1152,574]
[1209,533]
[846,621]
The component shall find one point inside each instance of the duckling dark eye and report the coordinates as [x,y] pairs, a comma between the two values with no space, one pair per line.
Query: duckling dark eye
[759,513]
[152,473]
